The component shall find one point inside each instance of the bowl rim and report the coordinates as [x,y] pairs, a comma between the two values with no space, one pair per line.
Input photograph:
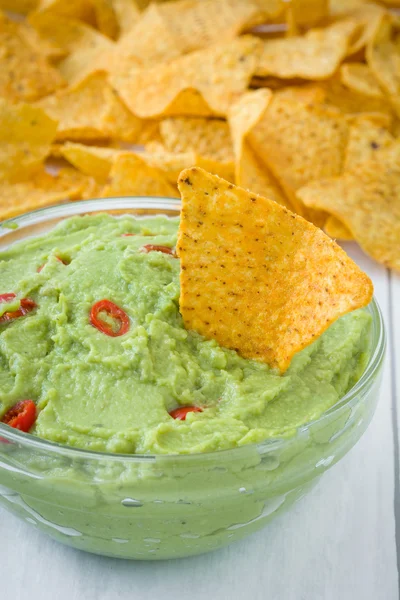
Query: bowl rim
[117,203]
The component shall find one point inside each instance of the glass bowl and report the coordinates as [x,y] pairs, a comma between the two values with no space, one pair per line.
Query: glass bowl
[170,506]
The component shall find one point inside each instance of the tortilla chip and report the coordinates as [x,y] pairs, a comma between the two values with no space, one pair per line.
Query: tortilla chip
[203,83]
[367,201]
[367,16]
[211,138]
[92,160]
[315,55]
[132,176]
[25,74]
[340,8]
[359,77]
[41,190]
[352,103]
[200,24]
[22,7]
[127,13]
[75,9]
[383,57]
[250,173]
[172,163]
[309,12]
[91,110]
[82,43]
[310,93]
[146,44]
[106,18]
[256,277]
[300,142]
[26,134]
[337,230]
[366,140]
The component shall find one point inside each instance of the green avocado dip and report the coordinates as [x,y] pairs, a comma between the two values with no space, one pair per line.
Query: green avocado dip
[114,393]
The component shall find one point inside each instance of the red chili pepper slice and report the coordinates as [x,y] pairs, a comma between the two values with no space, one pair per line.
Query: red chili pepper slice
[181,412]
[26,305]
[7,297]
[127,234]
[113,311]
[21,416]
[154,248]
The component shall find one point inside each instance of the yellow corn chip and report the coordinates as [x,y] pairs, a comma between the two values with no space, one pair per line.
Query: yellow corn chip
[91,160]
[300,142]
[106,18]
[309,12]
[250,173]
[172,163]
[75,9]
[132,176]
[383,57]
[26,134]
[127,13]
[367,201]
[19,6]
[211,138]
[91,110]
[310,93]
[315,55]
[367,16]
[203,83]
[359,77]
[351,102]
[48,50]
[256,277]
[337,230]
[340,8]
[82,43]
[366,140]
[200,24]
[41,190]
[148,43]
[25,73]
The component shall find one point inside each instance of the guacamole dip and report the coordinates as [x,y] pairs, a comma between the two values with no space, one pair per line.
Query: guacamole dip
[103,352]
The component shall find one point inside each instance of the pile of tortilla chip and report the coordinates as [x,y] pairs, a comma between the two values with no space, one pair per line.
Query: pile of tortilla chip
[297,100]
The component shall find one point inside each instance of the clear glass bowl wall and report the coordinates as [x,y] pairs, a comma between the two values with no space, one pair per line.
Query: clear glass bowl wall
[157,507]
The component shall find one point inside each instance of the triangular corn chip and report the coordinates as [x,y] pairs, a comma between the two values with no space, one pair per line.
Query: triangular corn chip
[383,57]
[367,138]
[203,83]
[200,24]
[25,73]
[337,230]
[288,126]
[359,77]
[90,160]
[131,176]
[97,161]
[256,277]
[209,137]
[353,103]
[367,201]
[26,134]
[91,110]
[42,190]
[315,55]
[83,43]
[250,173]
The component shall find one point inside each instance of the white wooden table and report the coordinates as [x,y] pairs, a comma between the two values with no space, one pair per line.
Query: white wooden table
[338,543]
